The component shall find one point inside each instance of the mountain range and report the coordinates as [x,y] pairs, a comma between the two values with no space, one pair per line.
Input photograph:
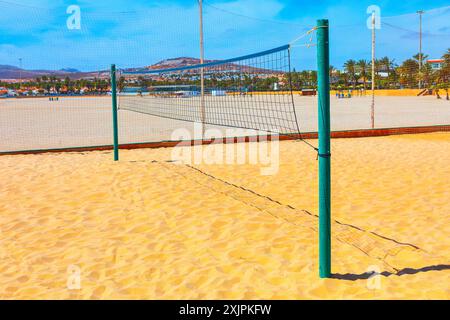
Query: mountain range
[8,72]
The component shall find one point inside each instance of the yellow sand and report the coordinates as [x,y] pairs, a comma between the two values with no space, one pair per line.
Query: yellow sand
[145,228]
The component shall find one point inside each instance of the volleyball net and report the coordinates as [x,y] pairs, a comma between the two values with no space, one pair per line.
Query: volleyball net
[248,92]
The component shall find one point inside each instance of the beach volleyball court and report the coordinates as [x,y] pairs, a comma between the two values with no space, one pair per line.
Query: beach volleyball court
[146,227]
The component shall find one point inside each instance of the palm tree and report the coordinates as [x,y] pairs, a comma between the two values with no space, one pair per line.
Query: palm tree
[386,64]
[429,75]
[350,68]
[408,72]
[379,67]
[444,73]
[362,66]
[332,71]
[420,58]
[120,83]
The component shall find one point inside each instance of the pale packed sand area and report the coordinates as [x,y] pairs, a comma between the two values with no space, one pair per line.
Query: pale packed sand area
[80,226]
[36,123]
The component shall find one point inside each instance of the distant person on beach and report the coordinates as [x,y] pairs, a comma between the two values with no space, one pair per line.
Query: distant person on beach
[437,94]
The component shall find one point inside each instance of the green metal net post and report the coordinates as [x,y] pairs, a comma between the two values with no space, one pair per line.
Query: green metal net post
[114,112]
[324,149]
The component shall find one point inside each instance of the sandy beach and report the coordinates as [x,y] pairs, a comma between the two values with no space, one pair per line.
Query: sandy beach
[148,228]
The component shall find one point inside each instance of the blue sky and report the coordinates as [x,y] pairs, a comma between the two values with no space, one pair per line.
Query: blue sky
[138,32]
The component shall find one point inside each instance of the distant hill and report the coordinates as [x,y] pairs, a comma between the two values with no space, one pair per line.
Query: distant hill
[70,70]
[187,61]
[176,63]
[13,72]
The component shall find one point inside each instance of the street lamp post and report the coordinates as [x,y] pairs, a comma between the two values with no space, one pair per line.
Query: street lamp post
[20,73]
[202,75]
[420,13]
[372,109]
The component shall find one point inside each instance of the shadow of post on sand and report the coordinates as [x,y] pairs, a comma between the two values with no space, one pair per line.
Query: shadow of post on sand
[402,272]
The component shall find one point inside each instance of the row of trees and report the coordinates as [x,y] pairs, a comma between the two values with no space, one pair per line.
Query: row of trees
[231,81]
[52,83]
[389,75]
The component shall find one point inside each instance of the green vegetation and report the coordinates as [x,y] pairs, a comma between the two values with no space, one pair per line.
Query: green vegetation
[52,84]
[389,75]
